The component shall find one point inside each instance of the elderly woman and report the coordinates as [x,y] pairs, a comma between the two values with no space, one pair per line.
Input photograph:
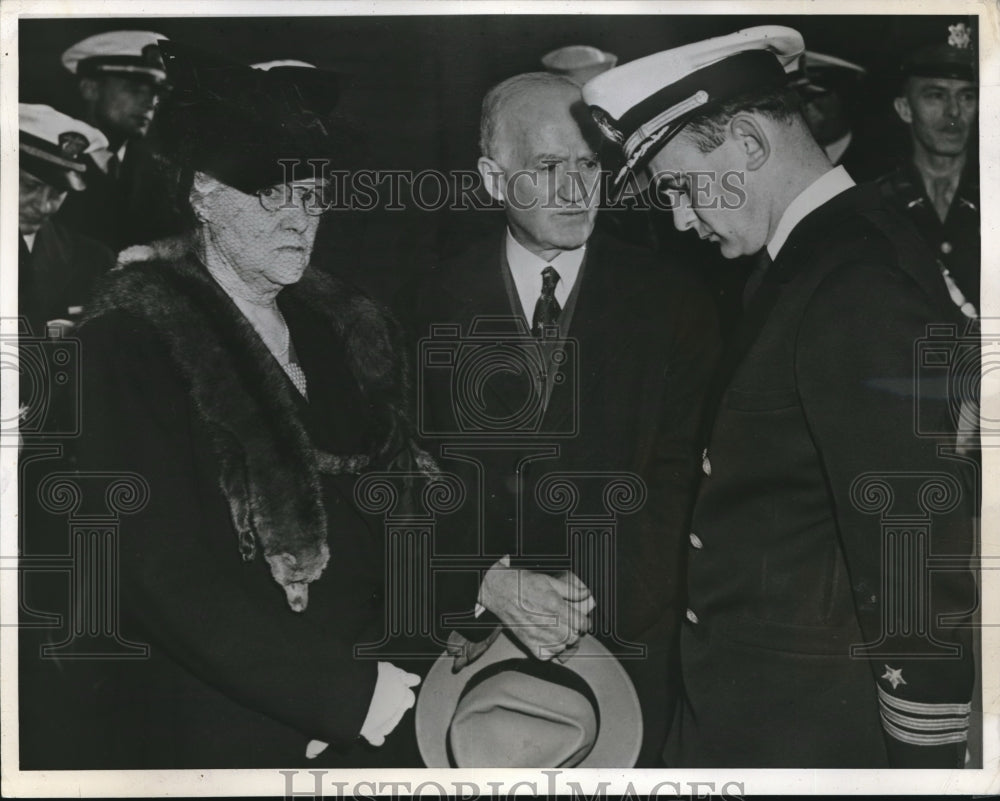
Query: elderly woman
[248,392]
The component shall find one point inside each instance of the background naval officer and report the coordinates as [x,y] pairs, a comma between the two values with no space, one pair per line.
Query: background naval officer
[120,78]
[57,267]
[803,644]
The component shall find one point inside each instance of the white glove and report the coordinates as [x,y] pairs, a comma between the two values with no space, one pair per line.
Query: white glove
[391,699]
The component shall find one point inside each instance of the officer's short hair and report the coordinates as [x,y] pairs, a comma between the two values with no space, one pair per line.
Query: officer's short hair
[708,130]
[500,95]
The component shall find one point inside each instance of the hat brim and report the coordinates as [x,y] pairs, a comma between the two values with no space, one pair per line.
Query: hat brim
[618,739]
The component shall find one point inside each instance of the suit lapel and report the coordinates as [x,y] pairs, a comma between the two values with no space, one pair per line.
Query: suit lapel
[755,315]
[794,256]
[599,319]
[479,300]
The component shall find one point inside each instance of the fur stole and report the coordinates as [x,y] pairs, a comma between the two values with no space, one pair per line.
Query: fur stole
[269,469]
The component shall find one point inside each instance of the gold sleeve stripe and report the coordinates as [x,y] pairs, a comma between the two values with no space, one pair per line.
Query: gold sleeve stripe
[925,724]
[924,739]
[920,708]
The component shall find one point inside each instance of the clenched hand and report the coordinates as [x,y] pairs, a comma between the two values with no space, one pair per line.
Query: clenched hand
[547,613]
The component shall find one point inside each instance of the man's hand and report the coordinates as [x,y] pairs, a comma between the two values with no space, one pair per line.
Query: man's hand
[547,613]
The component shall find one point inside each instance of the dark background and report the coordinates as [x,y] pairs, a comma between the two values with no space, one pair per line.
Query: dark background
[416,84]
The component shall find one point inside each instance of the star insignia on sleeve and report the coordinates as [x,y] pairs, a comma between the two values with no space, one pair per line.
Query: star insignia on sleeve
[893,676]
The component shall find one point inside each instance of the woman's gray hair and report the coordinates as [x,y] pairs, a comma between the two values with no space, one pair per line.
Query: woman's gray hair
[490,122]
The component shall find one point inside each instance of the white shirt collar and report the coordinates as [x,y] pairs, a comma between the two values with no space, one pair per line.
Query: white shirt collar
[103,156]
[526,270]
[824,188]
[29,241]
[835,150]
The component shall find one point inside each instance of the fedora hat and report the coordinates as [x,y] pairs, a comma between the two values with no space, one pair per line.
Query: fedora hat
[510,710]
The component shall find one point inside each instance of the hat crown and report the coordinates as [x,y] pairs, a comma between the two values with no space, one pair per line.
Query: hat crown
[574,57]
[644,103]
[66,134]
[623,87]
[517,720]
[583,713]
[52,145]
[952,54]
[282,62]
[131,53]
[236,122]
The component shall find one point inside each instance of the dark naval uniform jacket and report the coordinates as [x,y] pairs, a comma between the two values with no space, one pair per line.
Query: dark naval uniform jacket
[615,440]
[807,641]
[56,277]
[956,241]
[130,207]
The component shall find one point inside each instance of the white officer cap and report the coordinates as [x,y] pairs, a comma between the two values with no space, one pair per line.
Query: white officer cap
[579,63]
[818,73]
[282,62]
[643,104]
[133,54]
[53,145]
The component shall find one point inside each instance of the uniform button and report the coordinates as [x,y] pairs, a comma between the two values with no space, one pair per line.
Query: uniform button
[691,616]
[946,247]
[706,465]
[696,541]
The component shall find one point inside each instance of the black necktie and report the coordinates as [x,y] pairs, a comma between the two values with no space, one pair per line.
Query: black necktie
[547,308]
[114,167]
[762,263]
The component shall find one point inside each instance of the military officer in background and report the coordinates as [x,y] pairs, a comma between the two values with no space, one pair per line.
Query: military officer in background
[120,77]
[806,643]
[57,267]
[938,185]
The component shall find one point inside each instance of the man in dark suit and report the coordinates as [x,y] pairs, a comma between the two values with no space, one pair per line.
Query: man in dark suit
[567,363]
[120,78]
[816,634]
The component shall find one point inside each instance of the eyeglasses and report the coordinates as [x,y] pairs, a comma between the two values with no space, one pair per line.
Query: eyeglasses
[287,196]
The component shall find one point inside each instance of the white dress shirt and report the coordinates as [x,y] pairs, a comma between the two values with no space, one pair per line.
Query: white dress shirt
[103,155]
[526,270]
[824,188]
[835,150]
